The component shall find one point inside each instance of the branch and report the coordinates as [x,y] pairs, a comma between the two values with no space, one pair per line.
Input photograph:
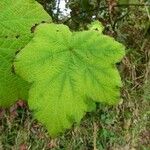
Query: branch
[133,5]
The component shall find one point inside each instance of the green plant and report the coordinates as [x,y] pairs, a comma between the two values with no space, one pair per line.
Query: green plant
[67,72]
[16,21]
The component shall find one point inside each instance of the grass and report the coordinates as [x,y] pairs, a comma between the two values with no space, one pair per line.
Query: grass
[122,127]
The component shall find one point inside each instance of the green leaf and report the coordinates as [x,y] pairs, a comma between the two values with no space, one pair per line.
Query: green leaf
[97,26]
[69,72]
[17,17]
[12,87]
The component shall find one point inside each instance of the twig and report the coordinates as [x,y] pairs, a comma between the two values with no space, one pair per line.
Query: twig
[148,53]
[94,135]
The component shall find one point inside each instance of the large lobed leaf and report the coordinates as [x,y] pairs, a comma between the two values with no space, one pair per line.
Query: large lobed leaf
[17,17]
[69,72]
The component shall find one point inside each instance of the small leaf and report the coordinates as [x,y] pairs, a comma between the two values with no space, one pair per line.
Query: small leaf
[97,26]
[69,72]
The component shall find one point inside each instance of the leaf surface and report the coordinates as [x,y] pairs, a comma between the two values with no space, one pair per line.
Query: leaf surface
[17,17]
[69,72]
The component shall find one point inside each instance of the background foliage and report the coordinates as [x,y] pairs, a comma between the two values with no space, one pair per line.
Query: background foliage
[109,128]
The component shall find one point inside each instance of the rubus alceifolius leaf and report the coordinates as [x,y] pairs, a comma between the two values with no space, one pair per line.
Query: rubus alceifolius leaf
[17,17]
[69,72]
